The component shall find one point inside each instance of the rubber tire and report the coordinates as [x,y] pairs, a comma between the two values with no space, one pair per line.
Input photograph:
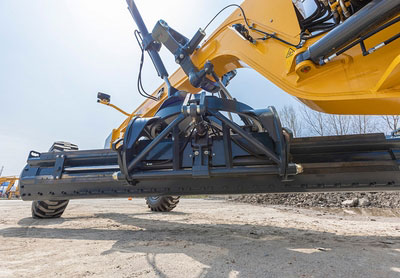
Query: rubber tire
[48,208]
[52,208]
[162,203]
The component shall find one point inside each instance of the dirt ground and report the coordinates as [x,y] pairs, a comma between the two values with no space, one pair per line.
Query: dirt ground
[201,238]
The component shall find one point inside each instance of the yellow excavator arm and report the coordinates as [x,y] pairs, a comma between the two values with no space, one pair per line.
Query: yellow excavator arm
[351,83]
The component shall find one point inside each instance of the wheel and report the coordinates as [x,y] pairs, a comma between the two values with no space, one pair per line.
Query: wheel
[162,203]
[48,209]
[53,208]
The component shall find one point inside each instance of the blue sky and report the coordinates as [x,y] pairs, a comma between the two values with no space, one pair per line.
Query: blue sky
[56,55]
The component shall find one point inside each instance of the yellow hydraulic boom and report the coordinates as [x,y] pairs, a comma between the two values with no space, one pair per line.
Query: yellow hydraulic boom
[351,83]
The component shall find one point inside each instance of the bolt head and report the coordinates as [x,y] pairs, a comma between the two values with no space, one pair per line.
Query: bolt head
[163,23]
[196,153]
[305,69]
[181,56]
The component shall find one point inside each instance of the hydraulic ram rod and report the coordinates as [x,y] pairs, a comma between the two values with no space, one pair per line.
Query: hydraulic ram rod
[373,14]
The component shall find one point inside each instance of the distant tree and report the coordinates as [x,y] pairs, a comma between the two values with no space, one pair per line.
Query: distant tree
[339,124]
[391,122]
[315,122]
[290,119]
[363,124]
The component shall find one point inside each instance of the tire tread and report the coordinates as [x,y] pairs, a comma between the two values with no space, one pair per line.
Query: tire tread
[52,208]
[163,203]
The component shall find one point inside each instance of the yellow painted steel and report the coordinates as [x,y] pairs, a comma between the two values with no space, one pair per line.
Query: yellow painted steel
[114,106]
[12,180]
[350,84]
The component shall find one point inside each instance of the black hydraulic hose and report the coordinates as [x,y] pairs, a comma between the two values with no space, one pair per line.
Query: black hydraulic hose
[317,13]
[366,36]
[322,20]
[155,57]
[267,35]
[140,88]
[371,15]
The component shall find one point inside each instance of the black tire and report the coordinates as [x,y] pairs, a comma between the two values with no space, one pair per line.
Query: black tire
[61,146]
[48,208]
[162,203]
[53,208]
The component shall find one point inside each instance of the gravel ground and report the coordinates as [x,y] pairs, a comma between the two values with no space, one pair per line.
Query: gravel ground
[201,238]
[334,199]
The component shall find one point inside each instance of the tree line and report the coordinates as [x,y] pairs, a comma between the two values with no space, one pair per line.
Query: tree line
[303,122]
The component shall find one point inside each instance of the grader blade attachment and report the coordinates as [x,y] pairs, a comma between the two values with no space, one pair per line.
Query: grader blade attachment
[190,148]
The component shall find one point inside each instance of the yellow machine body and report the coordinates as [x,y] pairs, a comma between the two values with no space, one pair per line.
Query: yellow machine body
[9,193]
[350,84]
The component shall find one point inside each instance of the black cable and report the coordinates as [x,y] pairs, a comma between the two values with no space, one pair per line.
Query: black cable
[267,35]
[317,22]
[316,14]
[322,19]
[140,88]
[211,21]
[187,141]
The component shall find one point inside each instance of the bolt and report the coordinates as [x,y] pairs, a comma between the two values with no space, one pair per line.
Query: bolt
[206,152]
[299,169]
[181,56]
[190,155]
[305,69]
[163,23]
[196,153]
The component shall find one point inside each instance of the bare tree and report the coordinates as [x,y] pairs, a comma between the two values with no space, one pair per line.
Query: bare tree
[316,122]
[363,124]
[320,124]
[392,122]
[339,124]
[290,119]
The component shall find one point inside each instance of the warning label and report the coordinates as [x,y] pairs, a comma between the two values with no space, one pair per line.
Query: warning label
[290,53]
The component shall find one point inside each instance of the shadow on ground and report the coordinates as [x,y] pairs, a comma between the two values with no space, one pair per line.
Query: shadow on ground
[246,249]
